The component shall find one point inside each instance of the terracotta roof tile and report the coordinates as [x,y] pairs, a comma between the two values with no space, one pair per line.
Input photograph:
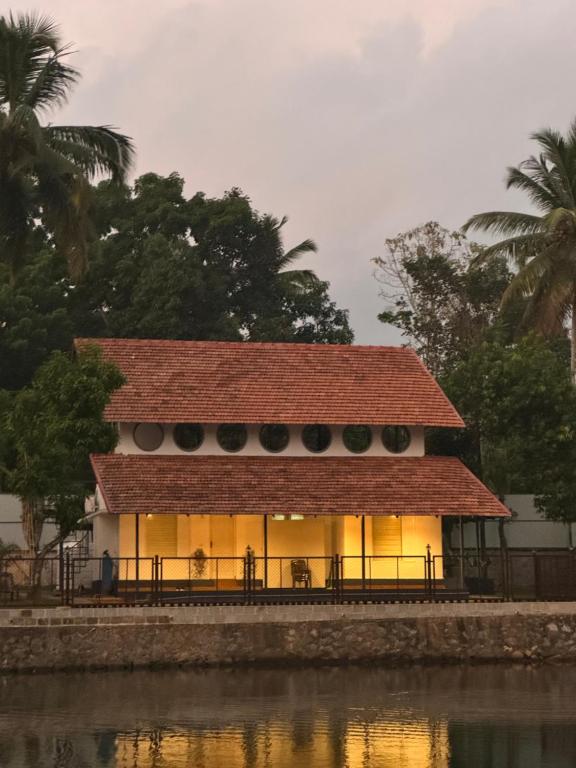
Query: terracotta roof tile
[212,382]
[429,485]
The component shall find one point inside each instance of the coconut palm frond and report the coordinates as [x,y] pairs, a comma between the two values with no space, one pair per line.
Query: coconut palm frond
[306,246]
[48,167]
[53,84]
[543,198]
[549,310]
[31,67]
[543,247]
[526,281]
[299,279]
[517,249]
[112,152]
[545,173]
[504,223]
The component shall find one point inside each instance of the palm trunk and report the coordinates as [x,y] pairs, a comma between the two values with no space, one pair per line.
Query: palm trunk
[573,341]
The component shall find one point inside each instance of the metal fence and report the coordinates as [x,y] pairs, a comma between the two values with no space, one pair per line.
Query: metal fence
[491,575]
[508,575]
[29,579]
[173,580]
[127,580]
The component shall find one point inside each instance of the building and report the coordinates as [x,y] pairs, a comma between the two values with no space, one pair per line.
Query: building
[289,455]
[11,531]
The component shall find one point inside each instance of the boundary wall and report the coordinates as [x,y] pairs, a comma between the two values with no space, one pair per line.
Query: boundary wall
[96,638]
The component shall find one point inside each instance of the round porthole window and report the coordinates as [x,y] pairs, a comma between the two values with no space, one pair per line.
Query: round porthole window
[148,437]
[316,437]
[188,437]
[274,437]
[357,438]
[396,439]
[232,437]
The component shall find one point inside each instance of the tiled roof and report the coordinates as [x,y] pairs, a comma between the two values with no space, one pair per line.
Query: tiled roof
[212,382]
[429,485]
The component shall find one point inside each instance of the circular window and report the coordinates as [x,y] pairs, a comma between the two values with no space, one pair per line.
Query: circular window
[396,439]
[188,437]
[148,437]
[232,437]
[274,437]
[357,437]
[316,437]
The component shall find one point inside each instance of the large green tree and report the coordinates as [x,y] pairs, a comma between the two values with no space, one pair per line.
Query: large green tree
[541,244]
[201,268]
[163,266]
[519,406]
[437,293]
[49,430]
[45,168]
[35,315]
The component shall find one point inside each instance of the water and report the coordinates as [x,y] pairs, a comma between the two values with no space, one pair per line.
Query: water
[448,717]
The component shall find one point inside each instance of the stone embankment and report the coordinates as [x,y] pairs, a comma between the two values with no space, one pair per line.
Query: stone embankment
[68,638]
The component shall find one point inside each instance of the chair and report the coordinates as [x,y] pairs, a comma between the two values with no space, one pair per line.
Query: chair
[301,573]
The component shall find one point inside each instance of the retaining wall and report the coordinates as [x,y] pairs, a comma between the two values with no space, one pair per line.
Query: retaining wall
[65,638]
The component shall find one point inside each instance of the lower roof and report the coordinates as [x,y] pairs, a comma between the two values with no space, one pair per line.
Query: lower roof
[266,485]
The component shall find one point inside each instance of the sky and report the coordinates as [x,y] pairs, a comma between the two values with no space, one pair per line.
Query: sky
[358,119]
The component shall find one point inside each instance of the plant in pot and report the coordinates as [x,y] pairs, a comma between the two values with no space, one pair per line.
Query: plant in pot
[199,557]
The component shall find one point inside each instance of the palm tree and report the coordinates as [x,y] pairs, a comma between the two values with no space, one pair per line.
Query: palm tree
[45,169]
[292,280]
[543,245]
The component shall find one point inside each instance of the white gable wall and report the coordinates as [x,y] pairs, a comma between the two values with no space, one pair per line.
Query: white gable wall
[210,447]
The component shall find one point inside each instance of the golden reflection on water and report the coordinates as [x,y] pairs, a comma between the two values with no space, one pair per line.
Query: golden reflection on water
[387,744]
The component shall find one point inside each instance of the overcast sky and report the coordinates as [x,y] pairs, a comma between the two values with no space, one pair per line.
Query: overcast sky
[356,118]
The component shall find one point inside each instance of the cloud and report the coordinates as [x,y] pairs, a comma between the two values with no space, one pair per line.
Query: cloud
[357,119]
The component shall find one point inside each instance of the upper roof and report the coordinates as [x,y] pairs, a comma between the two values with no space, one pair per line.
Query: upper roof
[305,485]
[245,382]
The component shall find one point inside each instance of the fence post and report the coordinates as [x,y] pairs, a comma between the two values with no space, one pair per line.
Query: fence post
[67,578]
[337,567]
[156,580]
[137,575]
[61,577]
[246,578]
[504,571]
[537,588]
[428,568]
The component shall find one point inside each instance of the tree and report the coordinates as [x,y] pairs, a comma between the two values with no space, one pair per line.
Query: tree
[168,267]
[519,406]
[52,426]
[437,294]
[44,169]
[542,246]
[35,316]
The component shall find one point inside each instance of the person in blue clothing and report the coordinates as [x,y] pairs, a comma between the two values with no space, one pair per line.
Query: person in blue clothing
[108,580]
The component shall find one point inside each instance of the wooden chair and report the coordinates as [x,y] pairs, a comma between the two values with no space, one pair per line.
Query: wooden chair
[301,573]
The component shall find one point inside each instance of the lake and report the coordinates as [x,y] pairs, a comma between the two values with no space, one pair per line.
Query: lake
[355,717]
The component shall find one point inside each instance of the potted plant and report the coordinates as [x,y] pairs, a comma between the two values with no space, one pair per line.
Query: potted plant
[199,557]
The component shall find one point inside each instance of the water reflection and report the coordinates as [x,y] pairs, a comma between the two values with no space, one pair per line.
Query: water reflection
[452,717]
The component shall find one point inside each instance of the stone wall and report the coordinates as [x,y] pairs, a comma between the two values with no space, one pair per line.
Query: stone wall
[64,638]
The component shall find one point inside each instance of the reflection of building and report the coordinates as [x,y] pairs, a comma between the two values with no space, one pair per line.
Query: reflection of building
[401,743]
[297,452]
[403,717]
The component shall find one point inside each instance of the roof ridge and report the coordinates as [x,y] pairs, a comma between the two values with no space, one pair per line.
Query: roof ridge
[116,341]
